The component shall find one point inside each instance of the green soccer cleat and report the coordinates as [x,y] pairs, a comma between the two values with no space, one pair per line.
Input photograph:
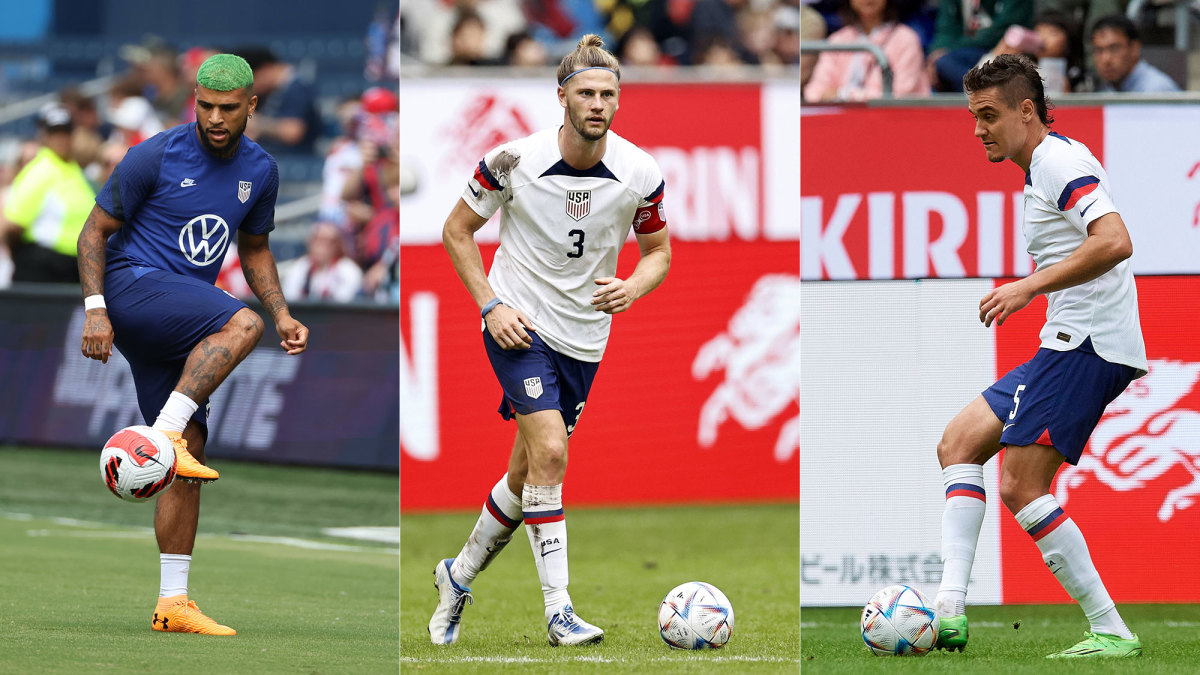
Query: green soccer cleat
[1100,645]
[952,633]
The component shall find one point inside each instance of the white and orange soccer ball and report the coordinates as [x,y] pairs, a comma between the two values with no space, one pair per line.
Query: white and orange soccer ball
[695,615]
[137,463]
[899,620]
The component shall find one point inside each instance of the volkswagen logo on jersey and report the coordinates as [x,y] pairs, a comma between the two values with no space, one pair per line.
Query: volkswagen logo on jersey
[243,191]
[579,203]
[204,239]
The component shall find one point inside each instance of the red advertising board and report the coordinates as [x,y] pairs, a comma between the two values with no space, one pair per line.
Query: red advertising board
[908,193]
[696,399]
[1134,491]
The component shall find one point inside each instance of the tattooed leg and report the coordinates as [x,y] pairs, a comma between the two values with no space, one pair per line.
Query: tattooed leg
[216,356]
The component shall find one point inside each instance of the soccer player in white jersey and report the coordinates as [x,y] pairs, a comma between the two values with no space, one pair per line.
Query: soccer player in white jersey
[1043,411]
[569,197]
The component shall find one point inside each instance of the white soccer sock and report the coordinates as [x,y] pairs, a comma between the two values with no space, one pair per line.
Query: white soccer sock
[966,504]
[173,574]
[547,529]
[1066,554]
[175,414]
[501,516]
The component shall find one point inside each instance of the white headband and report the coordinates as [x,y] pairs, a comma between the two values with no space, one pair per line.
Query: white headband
[564,80]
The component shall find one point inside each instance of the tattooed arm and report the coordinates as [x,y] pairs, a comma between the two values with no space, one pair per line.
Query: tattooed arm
[258,265]
[97,331]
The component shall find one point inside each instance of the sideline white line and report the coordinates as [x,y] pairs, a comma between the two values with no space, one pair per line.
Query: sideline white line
[97,530]
[598,659]
[386,535]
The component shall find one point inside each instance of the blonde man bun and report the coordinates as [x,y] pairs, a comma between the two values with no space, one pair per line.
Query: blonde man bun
[588,53]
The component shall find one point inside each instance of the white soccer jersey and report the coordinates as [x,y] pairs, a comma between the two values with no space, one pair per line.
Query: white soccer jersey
[561,229]
[1065,190]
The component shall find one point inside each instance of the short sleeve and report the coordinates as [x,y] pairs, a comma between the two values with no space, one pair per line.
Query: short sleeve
[1078,192]
[133,179]
[650,215]
[489,187]
[261,218]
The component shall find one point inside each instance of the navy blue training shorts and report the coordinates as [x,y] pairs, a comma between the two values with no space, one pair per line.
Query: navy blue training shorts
[540,378]
[1056,398]
[157,319]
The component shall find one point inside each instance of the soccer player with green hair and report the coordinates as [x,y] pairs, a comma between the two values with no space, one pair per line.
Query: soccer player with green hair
[149,255]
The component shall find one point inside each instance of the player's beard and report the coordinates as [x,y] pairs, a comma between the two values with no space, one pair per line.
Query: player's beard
[580,123]
[231,144]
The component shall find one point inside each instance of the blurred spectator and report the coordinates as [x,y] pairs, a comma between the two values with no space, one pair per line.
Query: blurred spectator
[855,76]
[87,139]
[428,24]
[157,66]
[189,63]
[1085,12]
[812,27]
[521,50]
[49,201]
[286,119]
[716,51]
[372,201]
[786,47]
[966,30]
[466,40]
[369,126]
[1118,54]
[324,272]
[131,115]
[715,24]
[1056,45]
[639,48]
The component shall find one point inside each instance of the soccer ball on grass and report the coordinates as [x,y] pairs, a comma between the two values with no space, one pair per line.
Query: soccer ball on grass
[137,463]
[695,615]
[899,620]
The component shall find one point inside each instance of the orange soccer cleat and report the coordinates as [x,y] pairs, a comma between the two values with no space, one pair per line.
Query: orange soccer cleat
[186,466]
[177,614]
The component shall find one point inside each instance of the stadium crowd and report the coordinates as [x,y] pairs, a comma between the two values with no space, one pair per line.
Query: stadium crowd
[930,44]
[532,33]
[351,243]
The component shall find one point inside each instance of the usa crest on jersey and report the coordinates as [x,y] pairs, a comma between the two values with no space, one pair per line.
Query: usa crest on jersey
[579,203]
[243,191]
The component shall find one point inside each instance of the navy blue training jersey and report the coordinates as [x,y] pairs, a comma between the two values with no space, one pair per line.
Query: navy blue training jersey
[181,206]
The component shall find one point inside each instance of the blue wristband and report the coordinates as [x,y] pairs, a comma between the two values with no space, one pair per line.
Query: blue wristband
[490,306]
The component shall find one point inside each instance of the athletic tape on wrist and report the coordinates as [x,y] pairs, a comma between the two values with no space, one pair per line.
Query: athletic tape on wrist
[93,302]
[490,306]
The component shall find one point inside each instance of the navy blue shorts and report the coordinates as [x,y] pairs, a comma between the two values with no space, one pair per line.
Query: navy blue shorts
[540,378]
[1056,398]
[157,319]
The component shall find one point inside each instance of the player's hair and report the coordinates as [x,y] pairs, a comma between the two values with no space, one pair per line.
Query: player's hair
[225,72]
[589,53]
[1117,22]
[1017,78]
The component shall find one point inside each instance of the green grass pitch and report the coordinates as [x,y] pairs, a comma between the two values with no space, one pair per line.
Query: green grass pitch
[79,572]
[623,561]
[1009,639]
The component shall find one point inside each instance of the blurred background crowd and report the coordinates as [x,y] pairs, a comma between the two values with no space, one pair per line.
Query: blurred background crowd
[1106,46]
[75,96]
[533,33]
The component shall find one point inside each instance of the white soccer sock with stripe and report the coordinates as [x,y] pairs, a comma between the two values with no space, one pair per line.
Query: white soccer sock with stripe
[966,504]
[175,413]
[500,517]
[173,574]
[1066,554]
[547,528]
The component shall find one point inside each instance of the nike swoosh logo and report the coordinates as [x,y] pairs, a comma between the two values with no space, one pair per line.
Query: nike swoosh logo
[477,194]
[143,454]
[1006,426]
[187,182]
[546,553]
[1084,210]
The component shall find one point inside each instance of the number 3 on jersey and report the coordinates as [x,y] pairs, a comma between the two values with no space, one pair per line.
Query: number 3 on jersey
[578,244]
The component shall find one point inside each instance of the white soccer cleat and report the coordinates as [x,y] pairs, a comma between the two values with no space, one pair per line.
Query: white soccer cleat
[443,627]
[567,629]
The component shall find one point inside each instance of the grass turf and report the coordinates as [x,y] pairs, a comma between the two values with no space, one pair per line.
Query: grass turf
[623,561]
[1009,639]
[79,572]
